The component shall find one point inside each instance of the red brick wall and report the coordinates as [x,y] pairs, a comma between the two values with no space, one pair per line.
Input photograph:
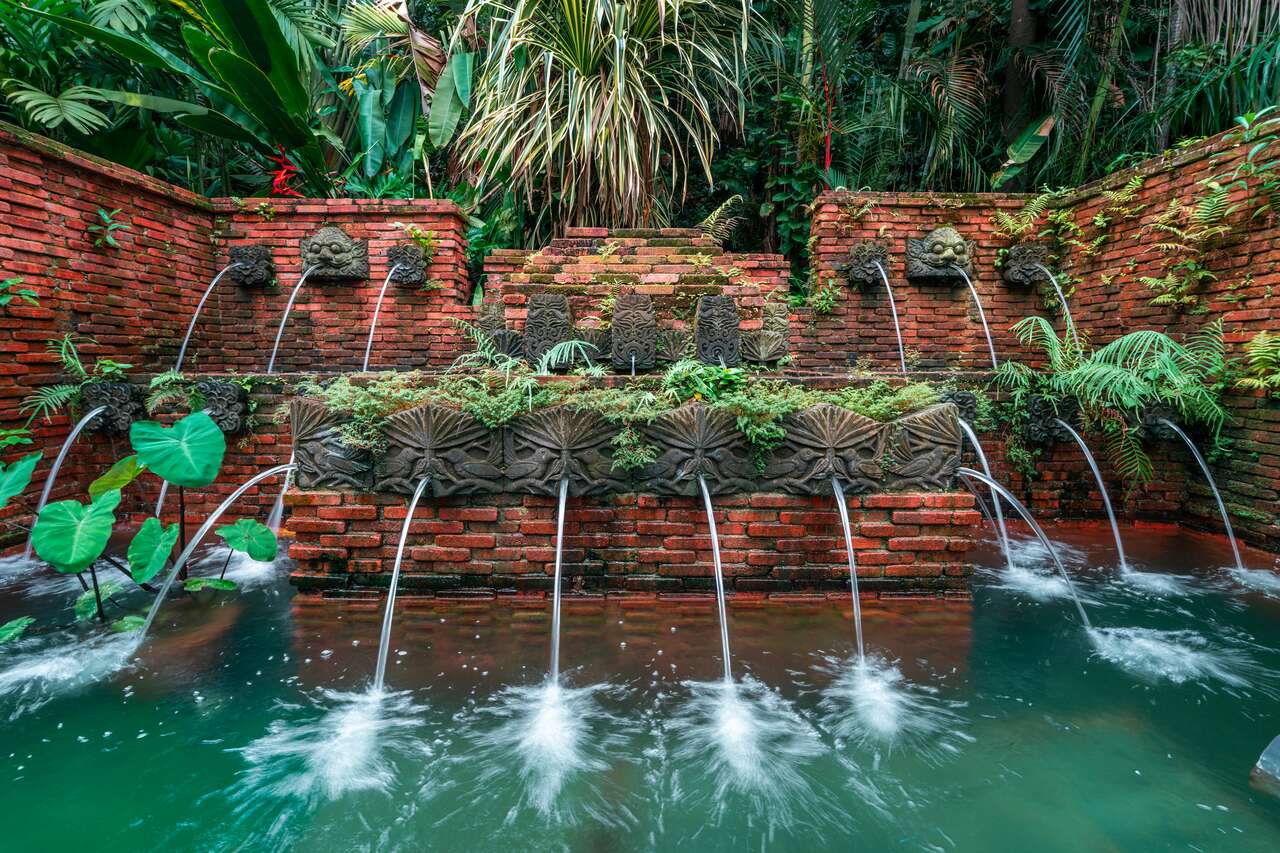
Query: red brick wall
[769,542]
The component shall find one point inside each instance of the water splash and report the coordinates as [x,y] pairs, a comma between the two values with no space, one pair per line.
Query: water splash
[893,310]
[384,644]
[995,498]
[1264,581]
[1174,656]
[1035,585]
[838,491]
[555,584]
[37,677]
[57,464]
[982,315]
[277,509]
[1062,300]
[271,363]
[182,350]
[715,559]
[1217,496]
[377,309]
[1102,489]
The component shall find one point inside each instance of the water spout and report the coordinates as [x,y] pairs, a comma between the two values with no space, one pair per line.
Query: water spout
[715,559]
[377,308]
[379,675]
[838,491]
[277,509]
[1062,298]
[555,584]
[982,315]
[995,498]
[1217,496]
[200,534]
[1102,487]
[1036,529]
[893,309]
[53,472]
[287,308]
[182,351]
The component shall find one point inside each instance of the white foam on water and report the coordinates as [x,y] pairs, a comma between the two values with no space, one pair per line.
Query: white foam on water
[1264,581]
[1037,585]
[1178,657]
[33,675]
[37,578]
[243,569]
[349,748]
[1155,583]
[871,704]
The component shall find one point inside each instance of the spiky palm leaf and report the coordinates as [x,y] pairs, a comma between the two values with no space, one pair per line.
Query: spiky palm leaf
[70,107]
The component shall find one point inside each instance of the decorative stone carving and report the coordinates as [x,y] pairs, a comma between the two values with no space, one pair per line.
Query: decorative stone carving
[966,403]
[1040,423]
[938,258]
[508,341]
[124,402]
[694,440]
[717,335]
[492,318]
[671,345]
[256,267]
[335,255]
[548,323]
[461,454]
[1024,264]
[546,446]
[226,402]
[861,265]
[598,341]
[777,319]
[324,461]
[635,333]
[1150,418]
[409,263]
[924,449]
[824,440]
[763,347]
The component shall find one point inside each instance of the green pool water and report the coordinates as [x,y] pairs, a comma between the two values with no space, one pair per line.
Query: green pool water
[995,724]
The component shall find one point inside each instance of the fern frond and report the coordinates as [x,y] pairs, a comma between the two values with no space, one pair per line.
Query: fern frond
[724,220]
[47,400]
[564,354]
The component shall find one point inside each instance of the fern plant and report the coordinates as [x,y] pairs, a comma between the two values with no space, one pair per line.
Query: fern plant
[1186,232]
[51,398]
[1115,385]
[1261,367]
[724,220]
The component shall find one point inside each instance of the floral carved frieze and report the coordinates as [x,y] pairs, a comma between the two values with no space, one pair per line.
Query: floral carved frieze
[760,346]
[826,440]
[942,257]
[695,441]
[924,449]
[544,447]
[548,322]
[717,335]
[408,264]
[1026,264]
[253,266]
[226,402]
[671,345]
[865,261]
[323,460]
[125,404]
[634,343]
[461,455]
[333,255]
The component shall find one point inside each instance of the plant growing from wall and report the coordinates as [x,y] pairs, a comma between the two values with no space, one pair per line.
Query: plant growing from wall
[103,230]
[1260,367]
[9,291]
[49,399]
[1186,233]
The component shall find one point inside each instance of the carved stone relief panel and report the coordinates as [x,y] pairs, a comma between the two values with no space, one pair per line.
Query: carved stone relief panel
[635,333]
[409,263]
[226,402]
[461,454]
[324,462]
[924,450]
[671,345]
[777,318]
[598,341]
[546,446]
[866,259]
[717,335]
[124,402]
[335,255]
[694,440]
[763,347]
[255,269]
[824,440]
[548,323]
[939,257]
[1025,264]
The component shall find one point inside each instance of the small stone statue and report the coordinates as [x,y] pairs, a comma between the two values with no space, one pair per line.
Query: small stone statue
[335,255]
[940,257]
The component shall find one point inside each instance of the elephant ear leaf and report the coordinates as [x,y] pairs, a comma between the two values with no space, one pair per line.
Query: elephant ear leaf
[118,476]
[150,548]
[86,606]
[15,476]
[70,536]
[189,453]
[15,628]
[250,537]
[219,584]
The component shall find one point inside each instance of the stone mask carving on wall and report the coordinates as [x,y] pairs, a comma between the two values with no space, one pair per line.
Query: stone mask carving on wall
[925,449]
[124,402]
[548,323]
[824,440]
[543,447]
[324,462]
[409,263]
[226,402]
[694,440]
[1023,264]
[635,333]
[718,335]
[256,269]
[335,255]
[935,259]
[866,258]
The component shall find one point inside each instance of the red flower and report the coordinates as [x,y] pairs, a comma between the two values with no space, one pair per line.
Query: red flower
[284,173]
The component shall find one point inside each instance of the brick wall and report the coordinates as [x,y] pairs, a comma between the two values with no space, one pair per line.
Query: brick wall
[769,542]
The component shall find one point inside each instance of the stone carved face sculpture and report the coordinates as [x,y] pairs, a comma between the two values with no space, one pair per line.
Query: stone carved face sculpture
[866,259]
[254,267]
[335,255]
[409,263]
[634,333]
[939,256]
[1026,264]
[718,334]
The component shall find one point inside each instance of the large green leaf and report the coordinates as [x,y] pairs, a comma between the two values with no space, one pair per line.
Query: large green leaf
[15,628]
[69,535]
[125,624]
[219,584]
[446,109]
[15,476]
[463,66]
[86,606]
[1021,150]
[151,102]
[118,476]
[257,96]
[250,537]
[253,32]
[150,548]
[216,124]
[372,125]
[187,454]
